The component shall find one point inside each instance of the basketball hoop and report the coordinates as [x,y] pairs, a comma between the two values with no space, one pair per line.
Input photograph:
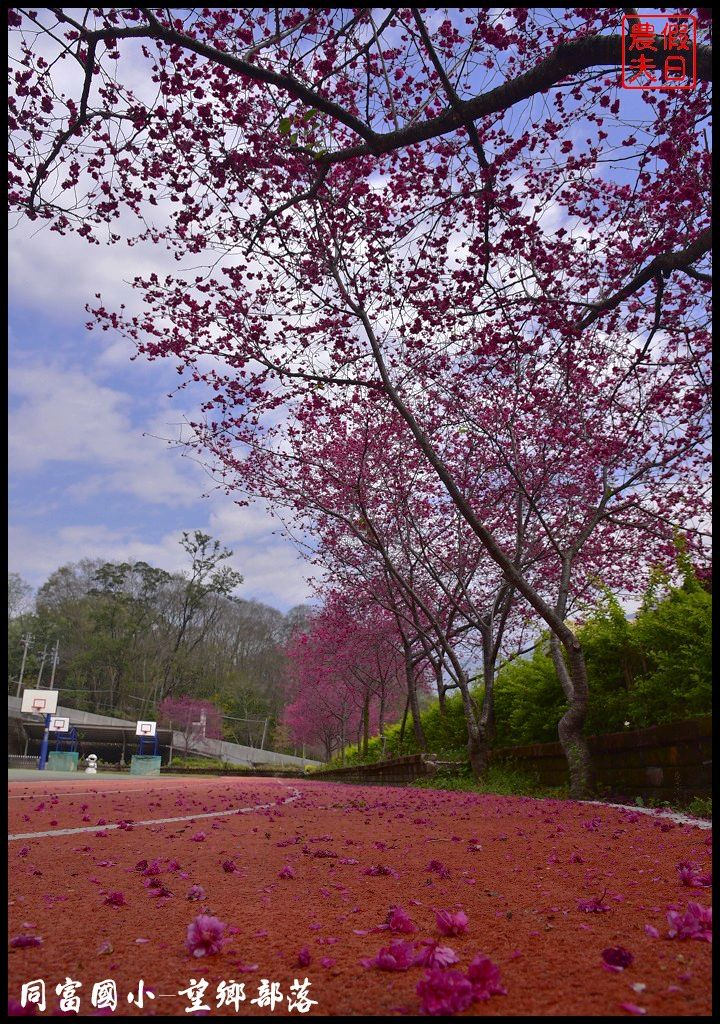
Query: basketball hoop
[39,702]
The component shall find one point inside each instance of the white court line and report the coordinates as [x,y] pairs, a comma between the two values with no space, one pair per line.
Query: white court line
[153,821]
[676,816]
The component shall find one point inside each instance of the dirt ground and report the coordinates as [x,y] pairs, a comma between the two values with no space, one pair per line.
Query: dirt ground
[523,871]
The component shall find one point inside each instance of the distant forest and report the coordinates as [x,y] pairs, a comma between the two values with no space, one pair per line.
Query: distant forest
[130,635]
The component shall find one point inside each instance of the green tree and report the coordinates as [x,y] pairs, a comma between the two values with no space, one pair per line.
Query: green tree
[675,639]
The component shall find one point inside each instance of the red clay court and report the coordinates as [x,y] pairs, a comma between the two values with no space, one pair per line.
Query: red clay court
[303,875]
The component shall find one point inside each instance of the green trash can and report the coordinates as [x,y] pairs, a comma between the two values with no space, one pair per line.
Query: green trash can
[62,761]
[145,764]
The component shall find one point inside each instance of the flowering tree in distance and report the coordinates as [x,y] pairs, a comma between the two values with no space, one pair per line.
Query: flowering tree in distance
[461,218]
[195,719]
[346,674]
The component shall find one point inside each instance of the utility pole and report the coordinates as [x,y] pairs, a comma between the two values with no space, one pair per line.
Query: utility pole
[42,664]
[56,654]
[27,640]
[262,741]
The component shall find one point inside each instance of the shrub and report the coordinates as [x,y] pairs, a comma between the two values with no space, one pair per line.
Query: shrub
[701,807]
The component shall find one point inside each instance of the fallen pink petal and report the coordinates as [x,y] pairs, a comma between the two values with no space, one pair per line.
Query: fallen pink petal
[205,936]
[485,978]
[444,993]
[398,956]
[25,941]
[616,956]
[431,954]
[451,922]
[694,923]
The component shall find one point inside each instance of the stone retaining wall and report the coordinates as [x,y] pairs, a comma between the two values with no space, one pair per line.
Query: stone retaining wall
[397,772]
[667,762]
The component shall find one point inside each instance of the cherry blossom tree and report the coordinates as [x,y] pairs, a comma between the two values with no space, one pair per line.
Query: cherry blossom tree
[346,674]
[460,217]
[194,719]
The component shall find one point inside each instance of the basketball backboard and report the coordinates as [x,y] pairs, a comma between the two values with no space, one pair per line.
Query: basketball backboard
[59,724]
[146,728]
[40,702]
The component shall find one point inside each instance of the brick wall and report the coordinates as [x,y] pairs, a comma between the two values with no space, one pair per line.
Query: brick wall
[669,762]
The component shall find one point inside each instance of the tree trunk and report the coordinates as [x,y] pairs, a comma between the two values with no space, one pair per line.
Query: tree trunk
[404,721]
[570,727]
[414,705]
[477,742]
[478,752]
[440,687]
[366,725]
[481,736]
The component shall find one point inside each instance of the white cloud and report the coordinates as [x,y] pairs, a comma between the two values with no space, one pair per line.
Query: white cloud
[271,569]
[66,416]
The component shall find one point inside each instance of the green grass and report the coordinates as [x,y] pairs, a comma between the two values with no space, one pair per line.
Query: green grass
[701,807]
[188,761]
[506,779]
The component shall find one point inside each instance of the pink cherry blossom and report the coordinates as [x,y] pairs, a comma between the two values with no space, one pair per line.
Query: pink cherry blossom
[115,899]
[694,923]
[379,869]
[485,978]
[593,906]
[616,956]
[439,867]
[205,936]
[444,992]
[433,955]
[25,941]
[398,920]
[398,956]
[451,922]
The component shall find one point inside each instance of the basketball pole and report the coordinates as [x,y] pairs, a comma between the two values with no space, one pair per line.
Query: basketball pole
[45,743]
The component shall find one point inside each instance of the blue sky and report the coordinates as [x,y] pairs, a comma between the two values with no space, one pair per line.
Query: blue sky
[89,474]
